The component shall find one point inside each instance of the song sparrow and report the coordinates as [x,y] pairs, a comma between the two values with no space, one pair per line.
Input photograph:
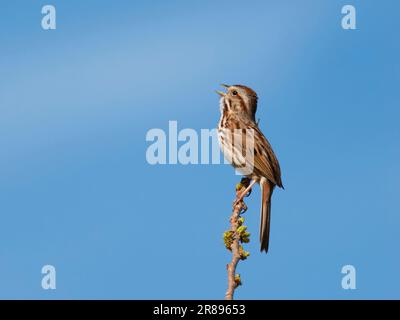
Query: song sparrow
[238,108]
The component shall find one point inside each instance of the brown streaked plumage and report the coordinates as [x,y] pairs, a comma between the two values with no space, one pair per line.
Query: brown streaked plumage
[238,109]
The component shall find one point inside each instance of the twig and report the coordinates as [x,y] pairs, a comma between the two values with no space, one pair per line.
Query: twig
[233,239]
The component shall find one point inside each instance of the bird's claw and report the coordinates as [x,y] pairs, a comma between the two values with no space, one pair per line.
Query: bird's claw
[243,206]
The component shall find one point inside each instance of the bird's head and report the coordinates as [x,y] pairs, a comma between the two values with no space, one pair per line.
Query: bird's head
[238,99]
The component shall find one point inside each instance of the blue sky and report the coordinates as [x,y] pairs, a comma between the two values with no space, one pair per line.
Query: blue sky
[76,191]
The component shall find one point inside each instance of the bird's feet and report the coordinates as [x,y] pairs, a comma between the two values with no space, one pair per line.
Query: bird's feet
[246,183]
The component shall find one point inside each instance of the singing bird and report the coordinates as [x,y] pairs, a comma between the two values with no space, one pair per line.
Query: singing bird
[238,106]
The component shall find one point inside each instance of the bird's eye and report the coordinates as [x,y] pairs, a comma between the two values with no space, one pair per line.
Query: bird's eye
[234,93]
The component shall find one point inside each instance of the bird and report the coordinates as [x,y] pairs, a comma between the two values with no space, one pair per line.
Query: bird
[255,159]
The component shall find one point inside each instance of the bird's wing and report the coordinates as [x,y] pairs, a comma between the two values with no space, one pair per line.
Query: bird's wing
[263,161]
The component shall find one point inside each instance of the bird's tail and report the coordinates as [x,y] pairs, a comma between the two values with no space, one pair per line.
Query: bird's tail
[266,193]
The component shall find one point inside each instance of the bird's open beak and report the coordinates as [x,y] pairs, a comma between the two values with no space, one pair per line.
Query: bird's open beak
[222,94]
